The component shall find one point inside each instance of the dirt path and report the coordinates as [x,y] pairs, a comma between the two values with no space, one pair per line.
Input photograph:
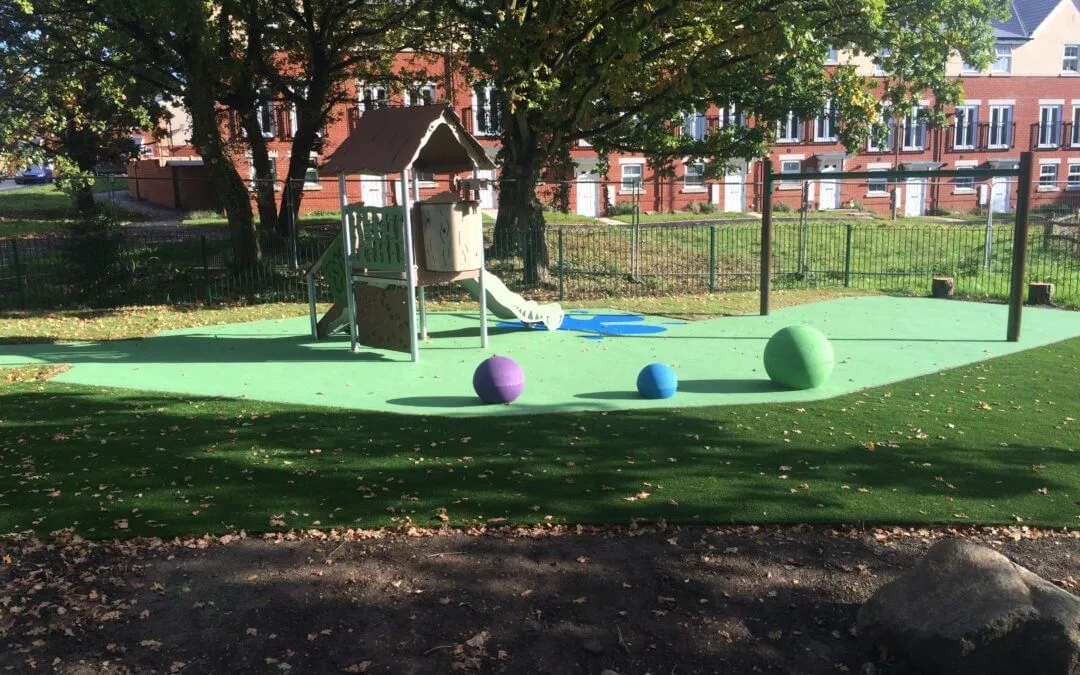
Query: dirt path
[689,600]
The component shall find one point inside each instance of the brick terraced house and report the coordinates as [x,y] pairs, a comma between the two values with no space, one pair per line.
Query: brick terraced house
[1028,99]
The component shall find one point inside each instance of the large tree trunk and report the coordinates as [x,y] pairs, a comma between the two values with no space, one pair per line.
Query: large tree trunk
[265,179]
[519,226]
[304,137]
[230,187]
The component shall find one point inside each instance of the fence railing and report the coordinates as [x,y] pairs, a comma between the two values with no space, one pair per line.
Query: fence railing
[584,261]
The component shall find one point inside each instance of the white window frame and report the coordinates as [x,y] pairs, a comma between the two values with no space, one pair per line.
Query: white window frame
[914,128]
[1070,62]
[1003,55]
[694,125]
[964,185]
[877,187]
[1073,177]
[694,182]
[265,114]
[786,167]
[273,170]
[374,95]
[832,56]
[966,127]
[1000,130]
[630,185]
[420,88]
[789,129]
[890,136]
[878,70]
[1050,118]
[825,125]
[1048,179]
[313,165]
[488,129]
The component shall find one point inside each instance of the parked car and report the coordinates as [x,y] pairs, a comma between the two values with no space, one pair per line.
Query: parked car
[35,175]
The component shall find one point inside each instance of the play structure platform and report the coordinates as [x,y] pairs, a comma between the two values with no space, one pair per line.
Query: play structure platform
[378,267]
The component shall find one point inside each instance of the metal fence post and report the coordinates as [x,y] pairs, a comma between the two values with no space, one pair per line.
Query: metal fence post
[562,266]
[804,209]
[847,254]
[712,258]
[766,235]
[1020,236]
[206,268]
[19,280]
[988,245]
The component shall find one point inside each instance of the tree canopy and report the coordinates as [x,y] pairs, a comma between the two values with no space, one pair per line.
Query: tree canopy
[621,74]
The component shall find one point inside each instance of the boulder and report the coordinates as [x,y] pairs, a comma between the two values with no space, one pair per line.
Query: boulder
[965,608]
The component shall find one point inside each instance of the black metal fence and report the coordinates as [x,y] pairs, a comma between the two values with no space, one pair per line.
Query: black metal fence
[178,266]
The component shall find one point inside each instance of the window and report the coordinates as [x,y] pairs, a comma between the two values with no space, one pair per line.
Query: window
[963,185]
[424,176]
[877,187]
[631,177]
[373,97]
[251,170]
[1049,126]
[882,137]
[789,129]
[966,67]
[831,56]
[487,110]
[732,116]
[825,124]
[1075,138]
[265,115]
[694,176]
[311,175]
[967,124]
[914,130]
[1074,177]
[879,61]
[1048,176]
[1000,127]
[790,166]
[421,94]
[1071,62]
[1003,62]
[694,126]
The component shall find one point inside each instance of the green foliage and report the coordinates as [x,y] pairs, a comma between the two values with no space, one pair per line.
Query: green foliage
[94,263]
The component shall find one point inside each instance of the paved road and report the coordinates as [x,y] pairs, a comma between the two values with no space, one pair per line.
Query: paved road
[9,185]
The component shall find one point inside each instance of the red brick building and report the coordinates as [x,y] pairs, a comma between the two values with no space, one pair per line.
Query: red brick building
[1029,99]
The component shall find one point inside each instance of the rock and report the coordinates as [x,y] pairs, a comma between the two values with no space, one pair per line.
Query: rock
[593,646]
[965,608]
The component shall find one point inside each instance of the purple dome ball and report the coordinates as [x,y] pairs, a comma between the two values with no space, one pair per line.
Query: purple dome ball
[498,380]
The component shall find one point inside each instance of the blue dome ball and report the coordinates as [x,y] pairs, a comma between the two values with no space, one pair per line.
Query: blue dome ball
[657,380]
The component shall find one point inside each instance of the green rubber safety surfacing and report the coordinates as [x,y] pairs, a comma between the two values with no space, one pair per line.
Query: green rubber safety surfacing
[876,339]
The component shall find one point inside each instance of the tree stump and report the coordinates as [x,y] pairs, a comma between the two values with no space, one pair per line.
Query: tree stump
[942,287]
[1040,293]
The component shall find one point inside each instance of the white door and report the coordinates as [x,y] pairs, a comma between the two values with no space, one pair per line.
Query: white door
[373,190]
[487,195]
[588,195]
[734,192]
[915,199]
[829,197]
[999,195]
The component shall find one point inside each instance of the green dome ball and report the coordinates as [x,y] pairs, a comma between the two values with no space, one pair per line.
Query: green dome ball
[799,357]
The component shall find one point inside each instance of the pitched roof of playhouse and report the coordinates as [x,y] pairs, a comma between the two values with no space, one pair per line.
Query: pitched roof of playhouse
[390,140]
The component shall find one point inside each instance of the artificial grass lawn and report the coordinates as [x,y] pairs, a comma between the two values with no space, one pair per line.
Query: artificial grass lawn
[994,442]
